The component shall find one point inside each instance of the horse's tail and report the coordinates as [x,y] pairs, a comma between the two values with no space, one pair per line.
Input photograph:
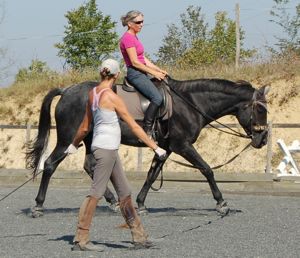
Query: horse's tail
[36,148]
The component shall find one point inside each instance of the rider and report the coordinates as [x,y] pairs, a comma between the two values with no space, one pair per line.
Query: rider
[138,66]
[103,107]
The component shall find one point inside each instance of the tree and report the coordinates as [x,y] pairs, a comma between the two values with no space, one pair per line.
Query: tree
[179,39]
[193,26]
[290,25]
[218,46]
[194,44]
[37,69]
[90,37]
[172,46]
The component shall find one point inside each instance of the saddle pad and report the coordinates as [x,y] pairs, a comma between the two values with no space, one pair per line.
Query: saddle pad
[133,102]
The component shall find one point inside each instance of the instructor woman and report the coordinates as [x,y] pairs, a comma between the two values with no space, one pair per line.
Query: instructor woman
[103,109]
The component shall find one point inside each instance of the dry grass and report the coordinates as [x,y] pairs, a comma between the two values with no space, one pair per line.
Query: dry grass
[5,111]
[20,102]
[263,73]
[23,92]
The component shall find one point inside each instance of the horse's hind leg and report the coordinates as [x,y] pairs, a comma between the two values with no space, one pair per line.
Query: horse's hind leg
[49,167]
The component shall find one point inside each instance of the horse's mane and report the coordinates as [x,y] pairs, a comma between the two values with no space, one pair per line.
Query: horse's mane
[212,85]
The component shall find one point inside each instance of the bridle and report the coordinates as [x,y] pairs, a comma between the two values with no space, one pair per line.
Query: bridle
[254,127]
[254,117]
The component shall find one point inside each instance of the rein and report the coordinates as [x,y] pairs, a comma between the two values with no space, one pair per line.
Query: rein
[33,177]
[16,189]
[191,166]
[233,132]
[216,167]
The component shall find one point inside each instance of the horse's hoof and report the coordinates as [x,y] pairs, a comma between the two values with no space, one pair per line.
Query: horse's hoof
[115,207]
[142,211]
[222,208]
[37,212]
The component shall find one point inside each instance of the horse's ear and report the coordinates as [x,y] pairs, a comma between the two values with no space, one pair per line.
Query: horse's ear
[264,90]
[267,89]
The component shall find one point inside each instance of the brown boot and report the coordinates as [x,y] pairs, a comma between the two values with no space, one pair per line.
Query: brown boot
[86,213]
[139,236]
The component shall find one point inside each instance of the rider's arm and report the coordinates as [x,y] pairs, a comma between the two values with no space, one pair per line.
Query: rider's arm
[153,66]
[137,64]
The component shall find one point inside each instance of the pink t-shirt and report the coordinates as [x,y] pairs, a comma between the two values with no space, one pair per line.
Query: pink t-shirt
[127,41]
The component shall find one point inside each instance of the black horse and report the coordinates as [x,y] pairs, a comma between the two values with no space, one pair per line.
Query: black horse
[196,103]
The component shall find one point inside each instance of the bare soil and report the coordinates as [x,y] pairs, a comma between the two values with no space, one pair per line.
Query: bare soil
[215,147]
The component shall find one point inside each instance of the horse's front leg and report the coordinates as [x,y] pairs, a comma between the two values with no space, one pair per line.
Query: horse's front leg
[190,154]
[153,173]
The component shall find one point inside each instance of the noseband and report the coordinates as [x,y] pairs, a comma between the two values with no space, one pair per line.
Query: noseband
[255,127]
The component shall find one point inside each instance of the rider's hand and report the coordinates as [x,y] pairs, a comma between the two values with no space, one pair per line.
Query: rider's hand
[71,149]
[159,75]
[164,72]
[161,153]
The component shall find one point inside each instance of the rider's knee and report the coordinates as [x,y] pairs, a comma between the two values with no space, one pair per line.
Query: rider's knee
[157,100]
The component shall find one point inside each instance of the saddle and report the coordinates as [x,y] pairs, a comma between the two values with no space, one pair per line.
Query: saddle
[137,103]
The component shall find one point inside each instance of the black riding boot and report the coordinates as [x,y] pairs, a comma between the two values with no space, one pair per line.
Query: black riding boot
[149,118]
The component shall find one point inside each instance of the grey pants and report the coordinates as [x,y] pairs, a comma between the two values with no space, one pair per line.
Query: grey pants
[109,167]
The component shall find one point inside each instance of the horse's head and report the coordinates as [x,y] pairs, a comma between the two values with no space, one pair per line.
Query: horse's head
[253,118]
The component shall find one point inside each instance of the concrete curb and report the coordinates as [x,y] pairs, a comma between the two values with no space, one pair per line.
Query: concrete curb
[254,183]
[23,174]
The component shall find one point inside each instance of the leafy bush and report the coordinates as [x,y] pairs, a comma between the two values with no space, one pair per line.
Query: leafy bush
[36,70]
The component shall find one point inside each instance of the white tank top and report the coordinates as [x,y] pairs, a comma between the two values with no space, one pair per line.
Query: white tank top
[107,132]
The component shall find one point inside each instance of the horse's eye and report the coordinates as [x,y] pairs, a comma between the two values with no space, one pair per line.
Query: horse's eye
[260,109]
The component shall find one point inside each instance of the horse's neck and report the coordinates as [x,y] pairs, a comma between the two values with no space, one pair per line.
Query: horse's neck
[222,105]
[216,101]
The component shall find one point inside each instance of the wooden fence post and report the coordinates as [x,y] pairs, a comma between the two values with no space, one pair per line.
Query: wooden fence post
[269,149]
[28,131]
[237,36]
[139,160]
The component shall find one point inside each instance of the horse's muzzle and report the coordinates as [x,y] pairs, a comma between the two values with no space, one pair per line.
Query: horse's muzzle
[259,138]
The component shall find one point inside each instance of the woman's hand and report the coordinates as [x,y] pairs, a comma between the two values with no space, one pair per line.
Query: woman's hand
[164,72]
[159,75]
[161,153]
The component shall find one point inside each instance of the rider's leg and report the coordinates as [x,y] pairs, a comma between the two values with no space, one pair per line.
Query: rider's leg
[146,87]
